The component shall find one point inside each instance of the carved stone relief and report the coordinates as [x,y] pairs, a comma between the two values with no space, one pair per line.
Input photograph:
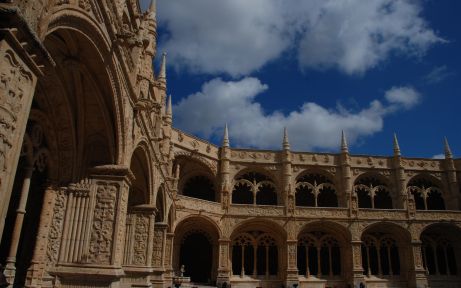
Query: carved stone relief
[103,224]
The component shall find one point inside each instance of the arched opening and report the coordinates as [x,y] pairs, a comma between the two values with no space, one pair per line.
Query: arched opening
[196,256]
[200,187]
[257,253]
[322,254]
[195,249]
[254,188]
[441,251]
[385,250]
[373,192]
[242,193]
[315,190]
[266,194]
[426,192]
[196,179]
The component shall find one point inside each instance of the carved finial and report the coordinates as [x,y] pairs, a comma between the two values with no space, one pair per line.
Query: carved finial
[396,146]
[344,147]
[448,154]
[169,108]
[286,143]
[153,7]
[162,74]
[225,140]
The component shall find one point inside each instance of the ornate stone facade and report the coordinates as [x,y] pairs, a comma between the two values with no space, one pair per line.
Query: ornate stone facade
[98,190]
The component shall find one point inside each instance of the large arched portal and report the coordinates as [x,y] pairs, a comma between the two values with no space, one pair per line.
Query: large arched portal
[196,254]
[195,249]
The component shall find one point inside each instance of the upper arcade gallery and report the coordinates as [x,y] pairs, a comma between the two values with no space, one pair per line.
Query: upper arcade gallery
[97,189]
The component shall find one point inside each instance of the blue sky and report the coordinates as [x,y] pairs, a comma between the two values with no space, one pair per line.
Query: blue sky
[370,68]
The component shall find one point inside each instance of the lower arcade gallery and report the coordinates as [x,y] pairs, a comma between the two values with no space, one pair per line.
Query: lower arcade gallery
[98,189]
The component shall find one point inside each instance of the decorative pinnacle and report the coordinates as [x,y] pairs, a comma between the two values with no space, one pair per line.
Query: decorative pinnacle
[396,146]
[225,141]
[344,147]
[448,154]
[286,143]
[169,109]
[152,12]
[162,74]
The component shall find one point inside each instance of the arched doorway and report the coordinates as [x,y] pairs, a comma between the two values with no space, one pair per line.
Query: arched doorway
[196,256]
[196,247]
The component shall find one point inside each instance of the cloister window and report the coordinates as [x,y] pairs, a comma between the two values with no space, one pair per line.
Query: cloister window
[380,255]
[319,254]
[372,193]
[315,190]
[427,195]
[254,188]
[254,254]
[200,187]
[438,255]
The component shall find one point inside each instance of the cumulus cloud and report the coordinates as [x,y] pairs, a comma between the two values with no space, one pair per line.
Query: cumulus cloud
[311,126]
[406,96]
[237,37]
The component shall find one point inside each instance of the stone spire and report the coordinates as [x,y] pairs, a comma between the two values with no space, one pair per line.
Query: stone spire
[162,74]
[396,146]
[286,143]
[344,147]
[169,109]
[448,154]
[225,141]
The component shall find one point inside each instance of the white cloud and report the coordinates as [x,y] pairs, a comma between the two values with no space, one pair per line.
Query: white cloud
[406,96]
[238,37]
[439,156]
[311,126]
[438,74]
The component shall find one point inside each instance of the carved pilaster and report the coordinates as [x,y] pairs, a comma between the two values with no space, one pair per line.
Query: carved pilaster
[159,245]
[292,269]
[357,269]
[36,271]
[418,277]
[224,262]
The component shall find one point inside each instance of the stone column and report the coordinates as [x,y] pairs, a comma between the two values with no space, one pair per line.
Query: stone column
[19,70]
[10,269]
[292,268]
[223,260]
